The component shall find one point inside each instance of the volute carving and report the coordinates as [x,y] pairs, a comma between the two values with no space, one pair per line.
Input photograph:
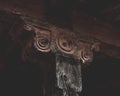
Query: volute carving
[43,41]
[71,50]
[63,42]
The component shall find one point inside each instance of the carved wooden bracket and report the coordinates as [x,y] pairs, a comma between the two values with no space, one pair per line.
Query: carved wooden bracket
[63,41]
[71,50]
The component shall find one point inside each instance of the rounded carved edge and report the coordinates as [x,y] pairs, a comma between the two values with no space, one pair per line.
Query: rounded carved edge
[64,42]
[43,41]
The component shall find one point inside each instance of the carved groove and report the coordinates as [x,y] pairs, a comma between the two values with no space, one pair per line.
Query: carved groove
[42,41]
[65,44]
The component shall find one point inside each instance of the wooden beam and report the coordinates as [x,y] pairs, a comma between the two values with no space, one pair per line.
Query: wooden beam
[34,8]
[93,27]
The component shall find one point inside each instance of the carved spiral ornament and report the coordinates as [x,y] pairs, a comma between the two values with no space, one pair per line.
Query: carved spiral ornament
[69,47]
[86,56]
[65,44]
[42,41]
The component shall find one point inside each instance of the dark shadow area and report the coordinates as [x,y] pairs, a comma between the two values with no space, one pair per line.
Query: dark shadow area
[25,79]
[102,78]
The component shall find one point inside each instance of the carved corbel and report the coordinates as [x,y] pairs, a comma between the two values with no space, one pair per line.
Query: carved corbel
[71,50]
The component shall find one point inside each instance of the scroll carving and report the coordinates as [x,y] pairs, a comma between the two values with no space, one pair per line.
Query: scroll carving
[43,41]
[70,49]
[63,42]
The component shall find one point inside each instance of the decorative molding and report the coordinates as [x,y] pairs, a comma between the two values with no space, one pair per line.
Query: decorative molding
[63,41]
[70,49]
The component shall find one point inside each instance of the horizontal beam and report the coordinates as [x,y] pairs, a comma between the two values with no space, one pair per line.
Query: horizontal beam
[34,8]
[103,31]
[82,23]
